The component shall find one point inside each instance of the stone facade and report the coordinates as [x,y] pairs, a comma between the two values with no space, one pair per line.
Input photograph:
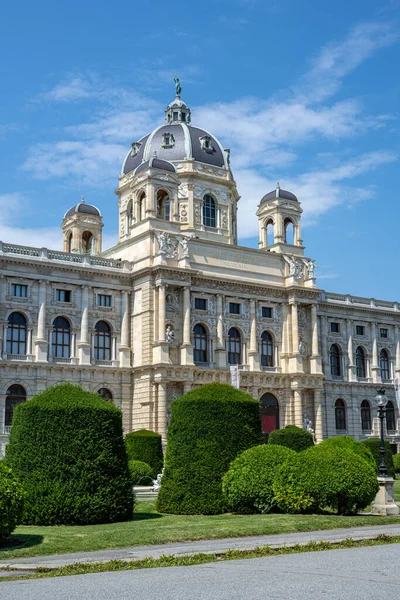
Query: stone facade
[177,301]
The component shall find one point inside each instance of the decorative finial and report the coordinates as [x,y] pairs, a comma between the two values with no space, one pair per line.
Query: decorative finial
[178,87]
[83,200]
[277,190]
[155,153]
[277,185]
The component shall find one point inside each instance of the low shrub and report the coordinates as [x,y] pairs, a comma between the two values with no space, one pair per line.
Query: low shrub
[11,502]
[325,477]
[292,437]
[146,446]
[141,473]
[247,486]
[209,427]
[67,450]
[374,444]
[396,462]
[348,443]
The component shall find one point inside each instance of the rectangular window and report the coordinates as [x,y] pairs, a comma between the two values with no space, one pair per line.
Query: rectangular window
[174,116]
[234,308]
[63,295]
[266,312]
[200,304]
[18,290]
[104,300]
[384,333]
[360,329]
[335,327]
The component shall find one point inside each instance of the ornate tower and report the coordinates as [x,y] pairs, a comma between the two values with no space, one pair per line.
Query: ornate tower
[82,225]
[279,216]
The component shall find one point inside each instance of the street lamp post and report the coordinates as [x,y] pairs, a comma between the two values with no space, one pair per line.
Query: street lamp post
[384,503]
[380,400]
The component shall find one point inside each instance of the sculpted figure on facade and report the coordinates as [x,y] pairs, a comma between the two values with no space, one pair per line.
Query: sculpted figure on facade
[184,242]
[169,335]
[310,266]
[295,267]
[168,247]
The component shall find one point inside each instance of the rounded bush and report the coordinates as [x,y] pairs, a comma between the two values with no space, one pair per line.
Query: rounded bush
[396,463]
[321,478]
[247,486]
[67,450]
[348,443]
[209,427]
[141,473]
[146,446]
[292,437]
[11,502]
[374,445]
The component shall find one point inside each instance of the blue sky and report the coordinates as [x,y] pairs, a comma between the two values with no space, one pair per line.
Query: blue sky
[306,93]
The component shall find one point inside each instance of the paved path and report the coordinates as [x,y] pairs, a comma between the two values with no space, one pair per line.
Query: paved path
[210,546]
[347,574]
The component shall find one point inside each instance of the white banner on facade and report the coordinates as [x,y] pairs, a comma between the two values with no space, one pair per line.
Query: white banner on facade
[235,376]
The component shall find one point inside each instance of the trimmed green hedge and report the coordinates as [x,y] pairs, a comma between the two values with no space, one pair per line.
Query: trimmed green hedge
[145,446]
[209,427]
[348,443]
[292,437]
[67,450]
[141,473]
[11,502]
[373,444]
[321,478]
[247,486]
[396,462]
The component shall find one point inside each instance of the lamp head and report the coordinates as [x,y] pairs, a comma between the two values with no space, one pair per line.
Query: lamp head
[380,398]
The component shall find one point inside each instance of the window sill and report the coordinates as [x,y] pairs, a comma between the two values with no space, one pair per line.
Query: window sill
[22,357]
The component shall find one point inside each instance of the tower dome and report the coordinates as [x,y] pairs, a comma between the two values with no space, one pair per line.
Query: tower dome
[82,225]
[82,207]
[177,140]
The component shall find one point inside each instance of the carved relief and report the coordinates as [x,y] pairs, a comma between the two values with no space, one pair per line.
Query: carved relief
[168,246]
[183,213]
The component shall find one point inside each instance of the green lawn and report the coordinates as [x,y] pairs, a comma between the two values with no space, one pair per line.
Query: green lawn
[149,527]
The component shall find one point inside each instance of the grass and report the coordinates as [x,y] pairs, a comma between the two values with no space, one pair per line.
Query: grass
[149,527]
[201,558]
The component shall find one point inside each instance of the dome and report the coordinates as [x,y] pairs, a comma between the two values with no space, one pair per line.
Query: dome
[176,141]
[82,207]
[278,193]
[155,163]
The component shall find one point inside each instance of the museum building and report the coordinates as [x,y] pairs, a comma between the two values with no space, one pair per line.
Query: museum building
[177,302]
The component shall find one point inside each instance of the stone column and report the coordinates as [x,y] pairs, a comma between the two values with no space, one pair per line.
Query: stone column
[161,313]
[298,408]
[162,410]
[318,411]
[5,329]
[397,342]
[220,352]
[186,348]
[84,342]
[29,344]
[73,348]
[41,340]
[254,355]
[124,349]
[351,375]
[324,346]
[375,369]
[295,328]
[315,360]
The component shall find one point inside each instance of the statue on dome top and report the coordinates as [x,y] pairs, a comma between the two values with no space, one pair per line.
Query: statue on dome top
[178,87]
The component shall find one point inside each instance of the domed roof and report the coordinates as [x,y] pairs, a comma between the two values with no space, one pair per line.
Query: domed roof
[155,163]
[177,140]
[82,207]
[278,193]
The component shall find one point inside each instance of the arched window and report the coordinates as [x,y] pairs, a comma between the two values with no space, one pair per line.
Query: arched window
[16,334]
[234,347]
[105,393]
[366,416]
[200,340]
[141,201]
[269,413]
[390,416]
[69,242]
[60,339]
[340,414]
[87,242]
[209,211]
[360,362]
[289,231]
[102,341]
[163,205]
[15,395]
[335,360]
[267,349]
[384,364]
[129,216]
[269,232]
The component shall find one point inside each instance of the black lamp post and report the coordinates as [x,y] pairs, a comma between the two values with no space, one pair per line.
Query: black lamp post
[381,401]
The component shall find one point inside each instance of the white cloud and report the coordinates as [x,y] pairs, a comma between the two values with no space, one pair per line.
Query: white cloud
[74,88]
